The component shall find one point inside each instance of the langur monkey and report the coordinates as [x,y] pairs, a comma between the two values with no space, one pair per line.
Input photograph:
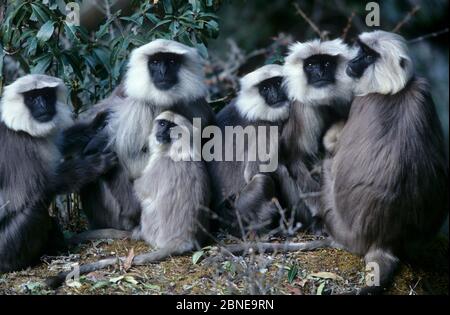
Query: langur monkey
[385,190]
[174,217]
[238,195]
[321,93]
[173,211]
[32,172]
[162,75]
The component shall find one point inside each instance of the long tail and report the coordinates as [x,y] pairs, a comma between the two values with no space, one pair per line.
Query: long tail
[282,247]
[92,235]
[142,259]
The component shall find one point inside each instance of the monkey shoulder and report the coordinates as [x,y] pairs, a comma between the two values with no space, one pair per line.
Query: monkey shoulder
[197,108]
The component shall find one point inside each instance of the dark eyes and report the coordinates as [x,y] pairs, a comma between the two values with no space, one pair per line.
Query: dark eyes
[157,61]
[369,58]
[162,123]
[327,64]
[309,65]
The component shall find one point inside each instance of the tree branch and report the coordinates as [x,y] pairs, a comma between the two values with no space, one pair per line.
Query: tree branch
[405,20]
[427,36]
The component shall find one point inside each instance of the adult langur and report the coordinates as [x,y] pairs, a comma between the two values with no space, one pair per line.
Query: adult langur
[32,112]
[243,192]
[174,211]
[162,75]
[321,93]
[386,188]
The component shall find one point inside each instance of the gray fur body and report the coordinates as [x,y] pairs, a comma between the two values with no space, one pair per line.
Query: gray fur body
[313,112]
[110,202]
[27,171]
[33,172]
[232,178]
[245,203]
[229,176]
[386,189]
[173,211]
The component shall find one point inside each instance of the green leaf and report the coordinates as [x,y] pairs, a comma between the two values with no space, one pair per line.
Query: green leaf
[213,27]
[100,284]
[152,18]
[196,256]
[202,50]
[74,62]
[292,274]
[32,46]
[46,31]
[159,24]
[137,20]
[39,14]
[168,6]
[195,5]
[42,64]
[103,29]
[174,27]
[103,56]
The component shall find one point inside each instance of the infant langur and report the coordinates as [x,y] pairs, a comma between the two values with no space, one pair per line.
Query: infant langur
[174,188]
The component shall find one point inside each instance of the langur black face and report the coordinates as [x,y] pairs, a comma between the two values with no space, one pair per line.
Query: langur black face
[163,128]
[164,68]
[366,57]
[272,91]
[320,70]
[41,103]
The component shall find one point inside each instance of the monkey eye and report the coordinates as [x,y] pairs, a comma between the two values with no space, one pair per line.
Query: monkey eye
[155,61]
[172,61]
[327,64]
[162,123]
[369,58]
[309,65]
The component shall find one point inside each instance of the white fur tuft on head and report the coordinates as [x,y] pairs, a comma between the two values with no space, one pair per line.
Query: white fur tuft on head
[183,147]
[15,114]
[139,85]
[251,104]
[394,68]
[295,79]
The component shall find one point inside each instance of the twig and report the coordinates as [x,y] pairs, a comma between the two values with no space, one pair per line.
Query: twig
[308,20]
[426,36]
[408,16]
[348,26]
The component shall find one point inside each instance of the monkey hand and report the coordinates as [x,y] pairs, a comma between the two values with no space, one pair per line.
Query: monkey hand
[101,163]
[98,144]
[100,121]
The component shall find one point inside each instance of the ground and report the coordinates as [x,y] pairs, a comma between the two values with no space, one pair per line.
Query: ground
[326,271]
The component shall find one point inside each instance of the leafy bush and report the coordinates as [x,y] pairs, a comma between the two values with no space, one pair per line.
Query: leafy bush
[37,35]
